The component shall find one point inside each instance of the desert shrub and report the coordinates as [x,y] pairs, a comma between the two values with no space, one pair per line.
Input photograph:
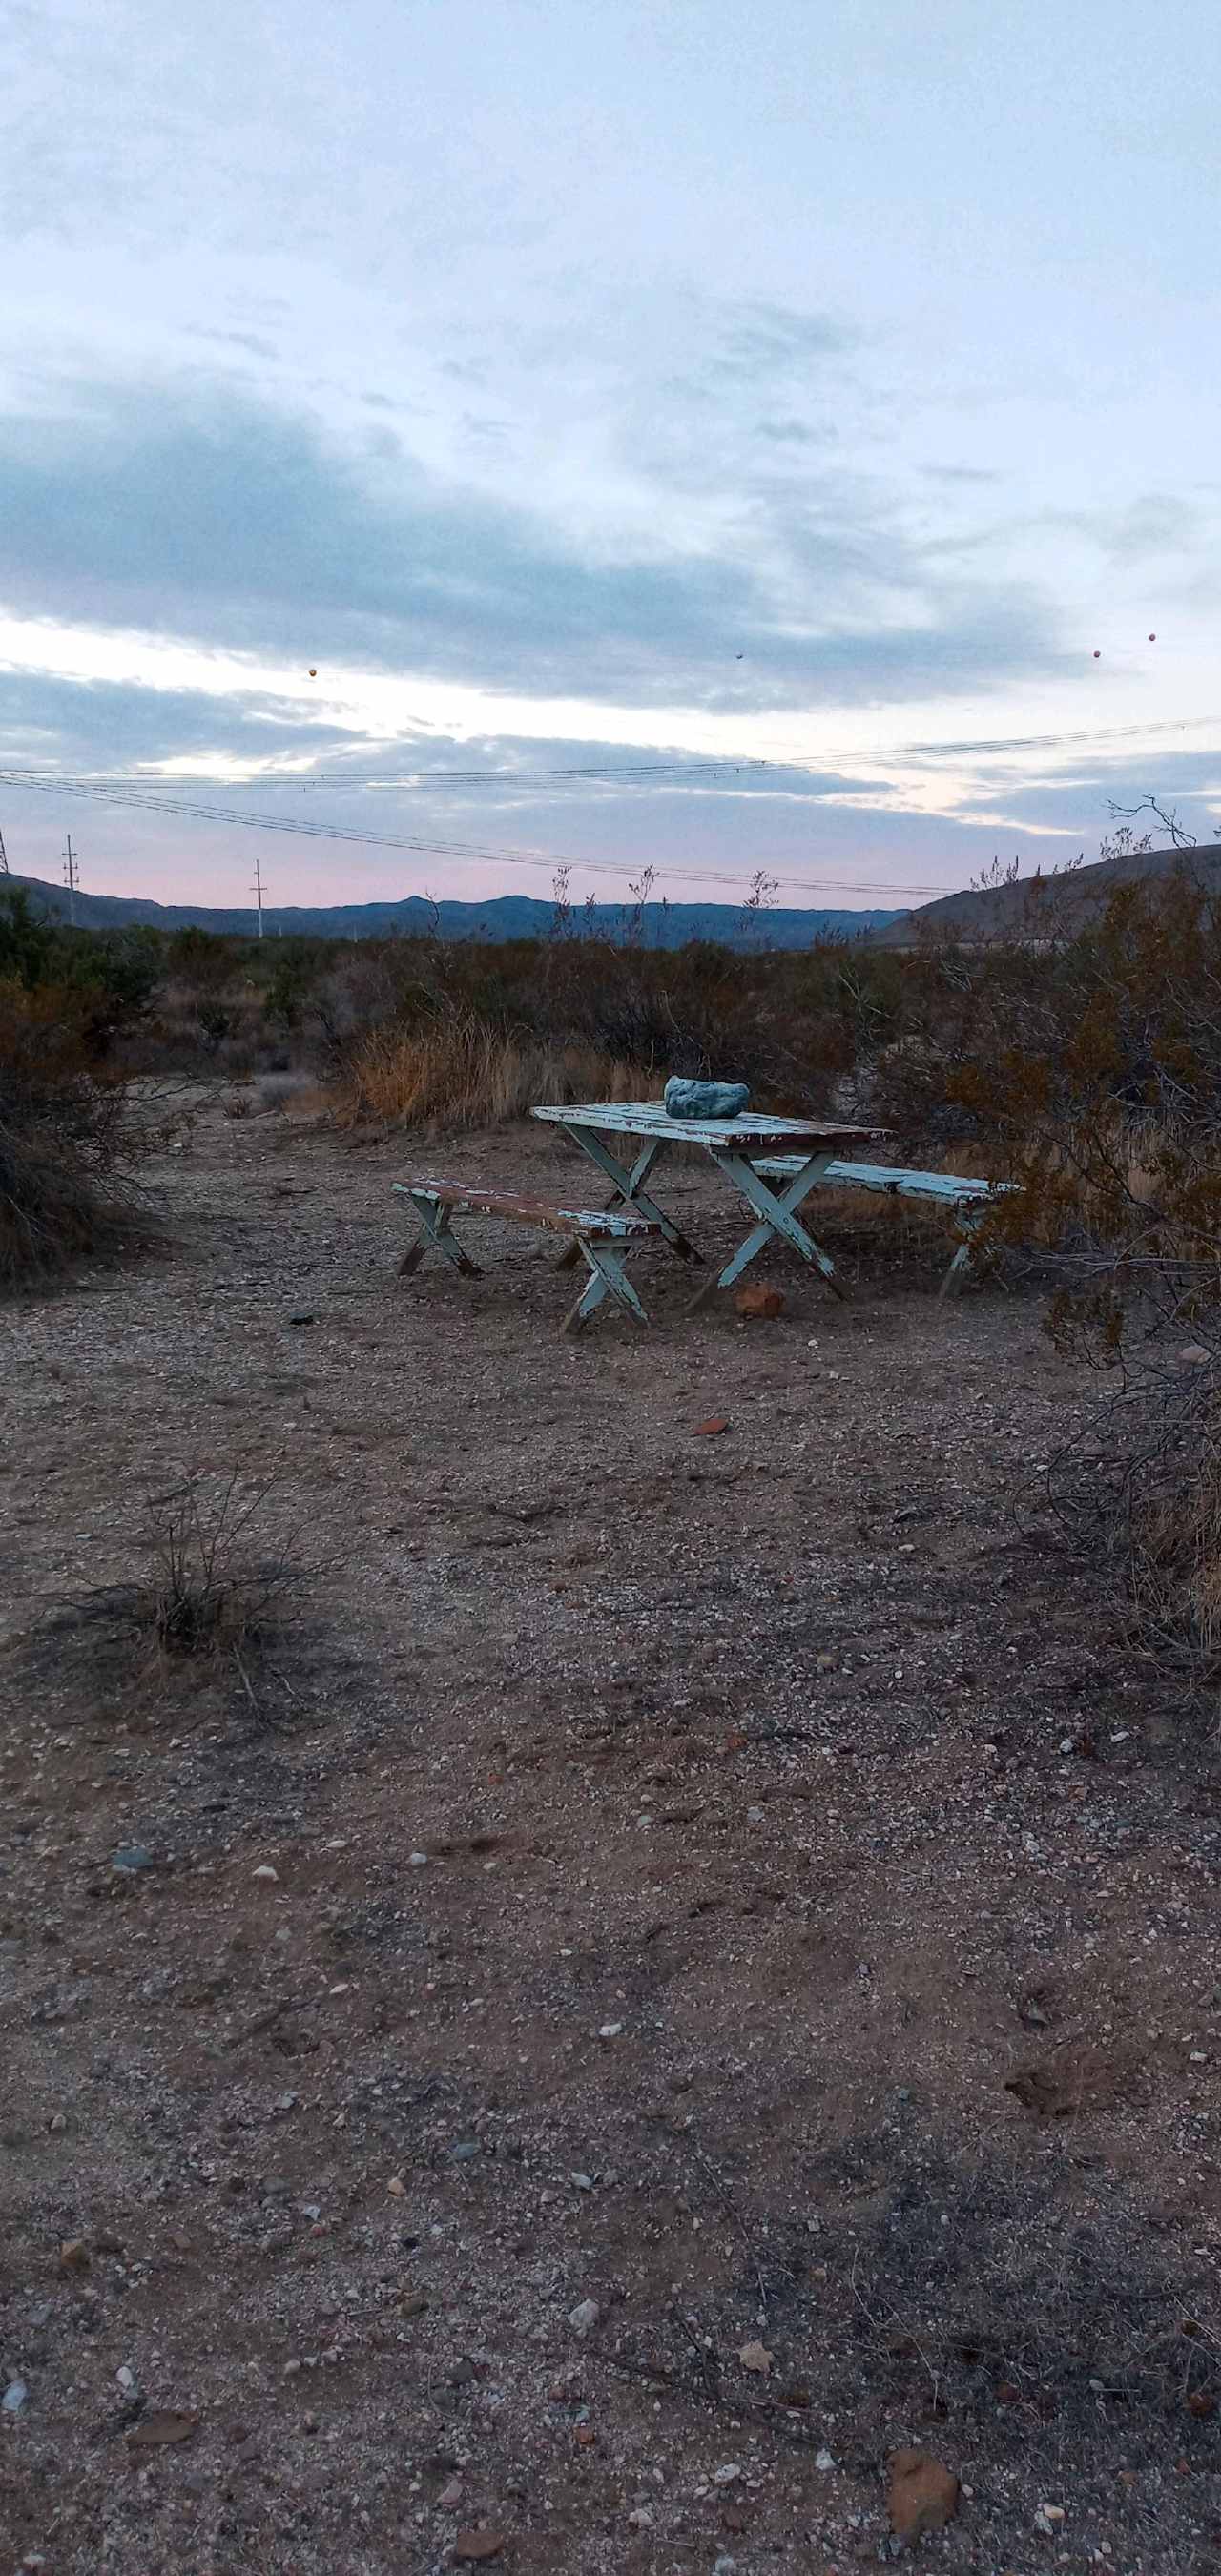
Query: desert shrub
[70,1147]
[107,980]
[1083,1061]
[456,1073]
[791,1025]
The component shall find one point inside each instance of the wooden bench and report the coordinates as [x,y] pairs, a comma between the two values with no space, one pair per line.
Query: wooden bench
[604,1239]
[968,1200]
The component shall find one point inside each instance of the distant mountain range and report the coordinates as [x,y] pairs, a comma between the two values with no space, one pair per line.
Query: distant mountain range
[1011,911]
[510,916]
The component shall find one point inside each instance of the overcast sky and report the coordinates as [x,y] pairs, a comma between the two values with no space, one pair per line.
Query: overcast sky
[589,383]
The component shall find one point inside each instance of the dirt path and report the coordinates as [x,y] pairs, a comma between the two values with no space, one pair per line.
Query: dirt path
[684,1847]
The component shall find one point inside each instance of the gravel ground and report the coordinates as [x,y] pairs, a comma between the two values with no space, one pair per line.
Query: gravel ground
[737,1994]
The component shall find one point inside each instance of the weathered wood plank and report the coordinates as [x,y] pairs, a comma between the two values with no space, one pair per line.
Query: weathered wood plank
[520,1208]
[895,1179]
[754,1128]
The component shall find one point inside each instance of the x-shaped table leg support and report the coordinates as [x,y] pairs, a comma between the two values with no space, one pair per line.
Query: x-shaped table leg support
[627,1188]
[778,1219]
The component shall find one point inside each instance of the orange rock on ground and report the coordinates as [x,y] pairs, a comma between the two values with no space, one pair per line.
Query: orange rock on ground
[922,2496]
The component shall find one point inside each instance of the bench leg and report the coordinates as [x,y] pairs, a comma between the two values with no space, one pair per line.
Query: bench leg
[436,1224]
[607,1278]
[965,1261]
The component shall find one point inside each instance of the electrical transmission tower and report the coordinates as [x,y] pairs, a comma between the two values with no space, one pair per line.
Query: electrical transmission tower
[258,893]
[71,877]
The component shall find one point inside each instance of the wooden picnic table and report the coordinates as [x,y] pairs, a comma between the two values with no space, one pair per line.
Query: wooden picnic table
[736,1147]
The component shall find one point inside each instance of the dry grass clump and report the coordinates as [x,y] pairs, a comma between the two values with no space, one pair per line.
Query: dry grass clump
[457,1073]
[205,1606]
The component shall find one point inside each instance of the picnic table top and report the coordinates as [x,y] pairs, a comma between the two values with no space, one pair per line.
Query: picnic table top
[753,1128]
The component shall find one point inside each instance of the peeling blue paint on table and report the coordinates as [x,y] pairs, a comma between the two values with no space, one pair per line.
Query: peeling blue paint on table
[737,1147]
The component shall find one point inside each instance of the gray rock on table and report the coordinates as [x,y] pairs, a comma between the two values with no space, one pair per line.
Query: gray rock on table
[684,1099]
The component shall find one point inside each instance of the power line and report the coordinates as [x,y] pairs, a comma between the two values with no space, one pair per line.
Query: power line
[461,851]
[419,782]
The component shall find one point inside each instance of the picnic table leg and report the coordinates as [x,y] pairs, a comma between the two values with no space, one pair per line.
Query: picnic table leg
[607,1278]
[777,1213]
[436,1226]
[964,1258]
[628,1189]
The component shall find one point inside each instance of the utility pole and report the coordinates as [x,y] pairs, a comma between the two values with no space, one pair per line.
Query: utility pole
[4,869]
[71,877]
[258,891]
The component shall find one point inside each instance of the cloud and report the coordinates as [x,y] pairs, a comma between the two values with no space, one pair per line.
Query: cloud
[190,508]
[251,342]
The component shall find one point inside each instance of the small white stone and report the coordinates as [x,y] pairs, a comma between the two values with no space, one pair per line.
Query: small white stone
[265,1870]
[584,2317]
[823,2461]
[126,2377]
[725,2476]
[610,2030]
[417,1860]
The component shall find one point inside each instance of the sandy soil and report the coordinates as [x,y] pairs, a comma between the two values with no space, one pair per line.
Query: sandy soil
[729,1898]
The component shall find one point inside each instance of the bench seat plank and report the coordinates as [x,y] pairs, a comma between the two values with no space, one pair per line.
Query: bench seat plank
[519,1208]
[950,1186]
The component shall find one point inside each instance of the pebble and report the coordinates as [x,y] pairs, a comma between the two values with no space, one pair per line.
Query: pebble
[131,1857]
[610,2030]
[450,2495]
[74,2254]
[584,2317]
[466,2151]
[640,2518]
[396,2187]
[265,1870]
[724,2477]
[583,2182]
[417,1860]
[14,2397]
[823,2461]
[126,2377]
